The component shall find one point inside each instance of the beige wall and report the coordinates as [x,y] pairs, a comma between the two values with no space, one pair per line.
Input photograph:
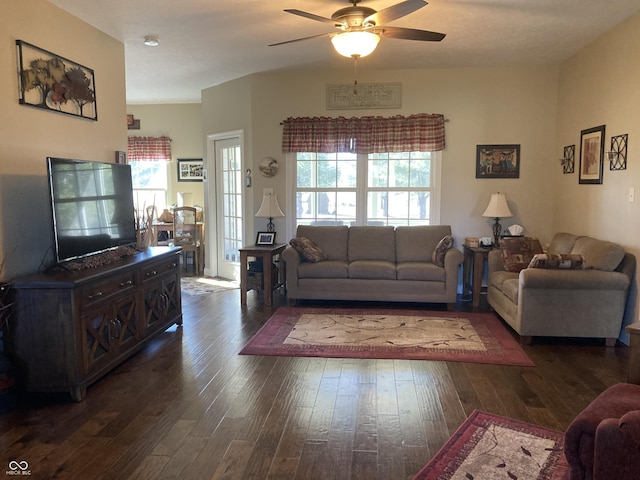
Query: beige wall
[183,124]
[28,135]
[599,86]
[225,109]
[484,106]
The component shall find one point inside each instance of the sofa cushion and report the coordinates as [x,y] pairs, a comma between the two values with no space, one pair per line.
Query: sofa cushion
[498,278]
[517,252]
[326,269]
[562,243]
[372,269]
[372,243]
[308,249]
[422,271]
[437,257]
[599,254]
[568,261]
[416,243]
[332,240]
[510,289]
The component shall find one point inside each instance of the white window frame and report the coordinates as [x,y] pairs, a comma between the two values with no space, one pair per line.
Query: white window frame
[362,189]
[160,203]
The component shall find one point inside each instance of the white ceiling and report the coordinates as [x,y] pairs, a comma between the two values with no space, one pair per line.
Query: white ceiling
[208,42]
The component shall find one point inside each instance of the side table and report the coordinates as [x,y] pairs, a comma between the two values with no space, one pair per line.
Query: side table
[267,253]
[474,259]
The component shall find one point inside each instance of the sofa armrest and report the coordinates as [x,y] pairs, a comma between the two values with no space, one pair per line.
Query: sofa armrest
[541,278]
[616,453]
[633,373]
[292,260]
[494,261]
[452,260]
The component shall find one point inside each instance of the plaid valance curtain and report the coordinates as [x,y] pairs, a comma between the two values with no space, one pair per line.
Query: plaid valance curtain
[149,149]
[416,133]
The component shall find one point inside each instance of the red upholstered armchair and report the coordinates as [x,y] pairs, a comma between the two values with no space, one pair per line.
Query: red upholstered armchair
[603,442]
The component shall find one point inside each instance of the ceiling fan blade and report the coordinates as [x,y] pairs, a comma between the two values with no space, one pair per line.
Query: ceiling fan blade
[300,39]
[389,14]
[311,16]
[410,34]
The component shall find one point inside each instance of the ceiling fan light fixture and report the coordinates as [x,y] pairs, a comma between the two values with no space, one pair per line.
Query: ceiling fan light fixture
[355,44]
[151,41]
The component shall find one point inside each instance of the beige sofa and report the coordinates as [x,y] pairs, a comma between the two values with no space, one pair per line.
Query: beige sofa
[587,302]
[374,263]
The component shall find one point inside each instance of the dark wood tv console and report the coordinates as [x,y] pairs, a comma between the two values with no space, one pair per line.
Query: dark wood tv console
[70,328]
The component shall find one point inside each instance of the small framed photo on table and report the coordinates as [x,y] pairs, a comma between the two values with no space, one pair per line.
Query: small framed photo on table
[266,238]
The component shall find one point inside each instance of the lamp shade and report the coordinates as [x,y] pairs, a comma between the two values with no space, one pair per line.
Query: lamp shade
[355,44]
[497,207]
[270,207]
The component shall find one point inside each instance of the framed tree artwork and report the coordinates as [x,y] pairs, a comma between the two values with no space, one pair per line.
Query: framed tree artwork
[591,155]
[51,82]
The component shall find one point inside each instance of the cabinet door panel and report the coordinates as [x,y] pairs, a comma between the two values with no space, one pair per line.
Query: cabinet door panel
[109,331]
[162,302]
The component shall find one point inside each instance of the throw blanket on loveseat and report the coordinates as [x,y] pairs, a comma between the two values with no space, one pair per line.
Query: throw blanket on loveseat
[400,264]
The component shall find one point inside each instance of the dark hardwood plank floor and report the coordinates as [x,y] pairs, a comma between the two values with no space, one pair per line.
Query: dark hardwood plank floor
[189,407]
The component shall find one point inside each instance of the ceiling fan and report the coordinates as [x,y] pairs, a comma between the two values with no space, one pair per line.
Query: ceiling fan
[360,28]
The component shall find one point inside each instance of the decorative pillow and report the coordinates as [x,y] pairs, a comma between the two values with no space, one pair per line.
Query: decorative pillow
[437,257]
[308,249]
[568,261]
[517,252]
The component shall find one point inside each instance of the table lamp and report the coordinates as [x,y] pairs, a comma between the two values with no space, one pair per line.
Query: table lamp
[270,209]
[497,209]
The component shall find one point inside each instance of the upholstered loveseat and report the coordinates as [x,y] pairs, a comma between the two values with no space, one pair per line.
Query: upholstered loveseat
[587,301]
[372,263]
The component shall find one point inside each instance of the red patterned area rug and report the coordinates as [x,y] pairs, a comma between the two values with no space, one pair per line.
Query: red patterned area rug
[488,446]
[388,334]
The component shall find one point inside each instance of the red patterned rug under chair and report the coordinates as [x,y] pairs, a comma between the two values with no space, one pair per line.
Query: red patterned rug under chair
[387,334]
[488,446]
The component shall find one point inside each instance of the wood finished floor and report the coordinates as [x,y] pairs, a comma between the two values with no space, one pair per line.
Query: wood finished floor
[189,407]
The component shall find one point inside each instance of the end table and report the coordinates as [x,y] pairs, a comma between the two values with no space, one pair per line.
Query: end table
[474,259]
[267,253]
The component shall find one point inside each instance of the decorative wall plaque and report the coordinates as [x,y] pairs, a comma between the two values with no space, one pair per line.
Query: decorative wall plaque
[344,96]
[55,83]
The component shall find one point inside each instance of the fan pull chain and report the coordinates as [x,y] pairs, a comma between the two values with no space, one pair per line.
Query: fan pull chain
[355,74]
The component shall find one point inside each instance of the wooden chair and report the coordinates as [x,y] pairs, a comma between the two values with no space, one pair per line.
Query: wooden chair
[186,234]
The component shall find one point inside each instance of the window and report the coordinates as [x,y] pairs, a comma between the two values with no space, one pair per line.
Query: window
[149,185]
[366,189]
[149,157]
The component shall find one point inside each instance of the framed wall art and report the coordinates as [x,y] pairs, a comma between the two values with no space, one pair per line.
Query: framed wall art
[591,155]
[51,82]
[190,170]
[498,161]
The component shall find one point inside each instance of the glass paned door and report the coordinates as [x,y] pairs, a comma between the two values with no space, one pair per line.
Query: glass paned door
[229,206]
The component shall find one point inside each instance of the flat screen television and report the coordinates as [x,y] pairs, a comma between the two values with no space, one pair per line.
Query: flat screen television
[92,207]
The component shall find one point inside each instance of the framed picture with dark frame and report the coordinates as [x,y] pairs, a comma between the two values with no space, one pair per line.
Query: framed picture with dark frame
[498,161]
[591,155]
[190,170]
[266,238]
